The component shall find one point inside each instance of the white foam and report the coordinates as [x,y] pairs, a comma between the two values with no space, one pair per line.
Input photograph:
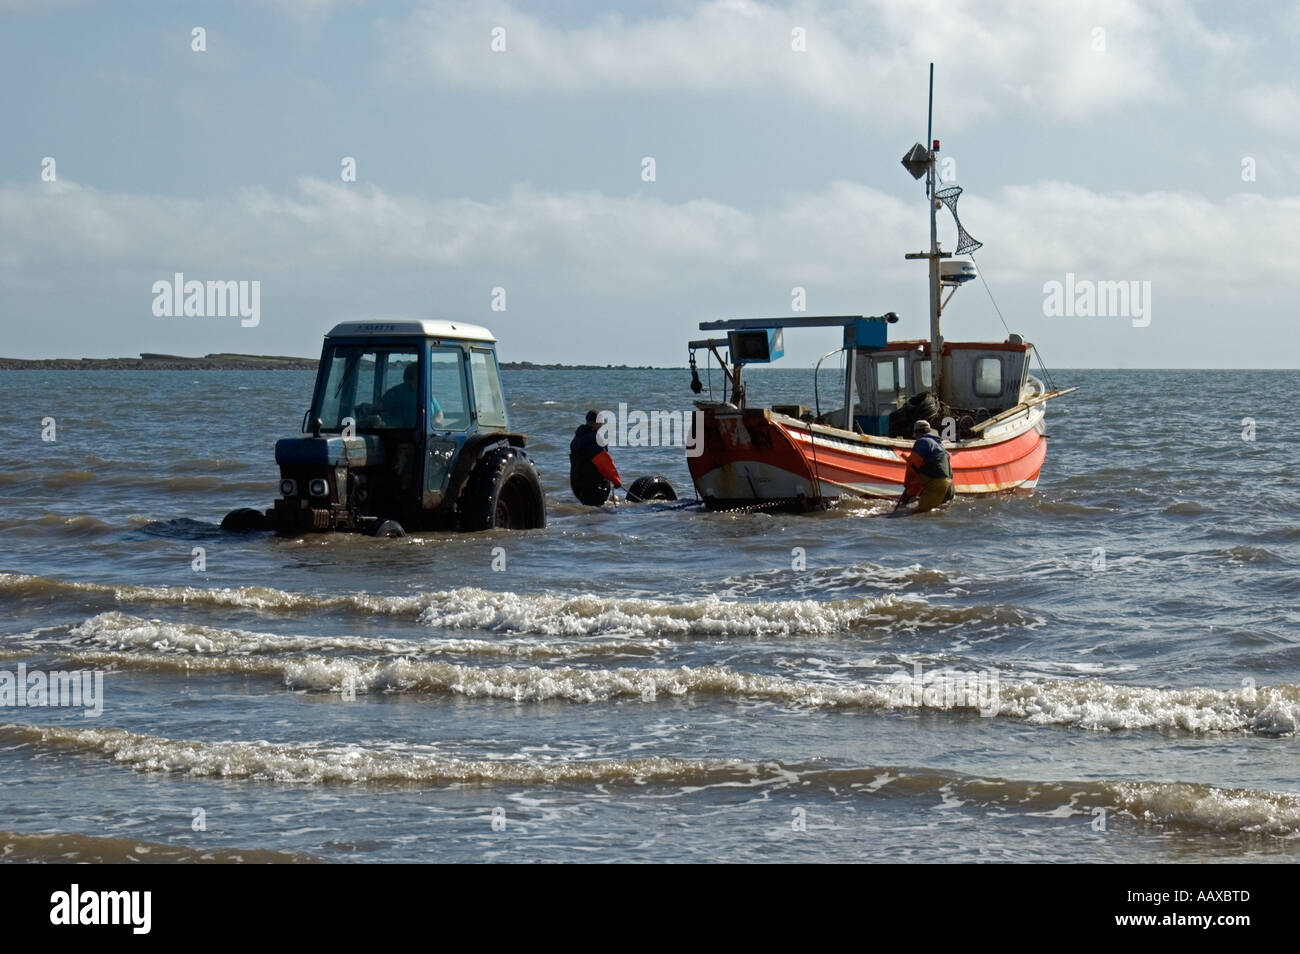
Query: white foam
[1218,809]
[567,616]
[585,615]
[121,631]
[1175,804]
[1093,704]
[1084,703]
[330,762]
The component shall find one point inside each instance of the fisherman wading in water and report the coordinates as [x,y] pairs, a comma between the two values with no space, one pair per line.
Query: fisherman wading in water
[592,473]
[929,472]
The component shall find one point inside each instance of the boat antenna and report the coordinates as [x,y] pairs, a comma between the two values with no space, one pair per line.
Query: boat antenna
[920,161]
[929,134]
[936,340]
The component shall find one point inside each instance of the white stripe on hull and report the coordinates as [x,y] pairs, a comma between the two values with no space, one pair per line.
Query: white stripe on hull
[775,483]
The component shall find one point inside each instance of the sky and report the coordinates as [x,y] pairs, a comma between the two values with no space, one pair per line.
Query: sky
[592,182]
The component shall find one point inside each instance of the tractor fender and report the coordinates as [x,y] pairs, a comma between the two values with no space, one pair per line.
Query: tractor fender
[471,453]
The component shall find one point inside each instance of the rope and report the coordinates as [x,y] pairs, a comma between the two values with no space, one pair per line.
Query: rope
[1047,375]
[678,505]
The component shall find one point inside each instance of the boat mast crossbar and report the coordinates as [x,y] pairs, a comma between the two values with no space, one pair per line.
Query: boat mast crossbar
[732,373]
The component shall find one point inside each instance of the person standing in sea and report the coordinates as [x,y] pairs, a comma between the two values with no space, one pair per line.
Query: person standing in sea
[591,468]
[929,471]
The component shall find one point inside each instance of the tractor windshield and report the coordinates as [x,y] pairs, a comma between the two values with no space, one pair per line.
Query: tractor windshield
[379,388]
[375,387]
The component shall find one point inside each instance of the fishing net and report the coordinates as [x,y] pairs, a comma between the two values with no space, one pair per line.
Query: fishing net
[938,413]
[966,243]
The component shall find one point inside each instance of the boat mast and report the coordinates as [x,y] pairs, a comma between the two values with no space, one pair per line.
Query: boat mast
[913,163]
[936,340]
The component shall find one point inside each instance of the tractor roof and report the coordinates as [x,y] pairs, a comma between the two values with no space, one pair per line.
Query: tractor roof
[408,326]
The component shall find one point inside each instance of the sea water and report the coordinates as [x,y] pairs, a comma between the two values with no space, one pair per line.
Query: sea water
[1106,669]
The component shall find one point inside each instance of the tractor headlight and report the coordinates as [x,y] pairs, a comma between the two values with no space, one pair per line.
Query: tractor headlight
[288,488]
[318,488]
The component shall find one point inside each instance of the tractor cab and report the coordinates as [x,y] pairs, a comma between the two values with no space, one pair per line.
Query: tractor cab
[407,429]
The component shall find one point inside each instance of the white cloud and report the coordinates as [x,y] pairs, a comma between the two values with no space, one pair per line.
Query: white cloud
[868,61]
[846,236]
[588,272]
[1274,106]
[310,12]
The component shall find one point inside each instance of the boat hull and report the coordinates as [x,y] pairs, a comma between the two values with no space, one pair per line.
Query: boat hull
[758,457]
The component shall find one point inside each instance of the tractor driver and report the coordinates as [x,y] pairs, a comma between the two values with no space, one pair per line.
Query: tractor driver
[400,401]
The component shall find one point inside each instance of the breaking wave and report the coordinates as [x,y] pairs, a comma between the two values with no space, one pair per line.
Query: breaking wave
[1184,805]
[121,631]
[563,616]
[1083,703]
[121,642]
[331,762]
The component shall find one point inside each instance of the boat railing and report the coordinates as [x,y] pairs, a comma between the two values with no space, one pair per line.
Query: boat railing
[817,399]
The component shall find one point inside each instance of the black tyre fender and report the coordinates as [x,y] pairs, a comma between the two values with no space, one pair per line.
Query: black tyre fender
[656,487]
[587,483]
[474,450]
[503,492]
[245,520]
[388,528]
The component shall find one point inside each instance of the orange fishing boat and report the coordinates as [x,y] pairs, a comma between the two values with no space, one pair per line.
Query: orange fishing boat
[989,410]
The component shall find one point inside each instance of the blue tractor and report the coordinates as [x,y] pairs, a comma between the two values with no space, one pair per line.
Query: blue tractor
[407,430]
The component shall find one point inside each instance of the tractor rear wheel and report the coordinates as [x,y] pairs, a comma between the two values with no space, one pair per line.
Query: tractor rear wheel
[503,493]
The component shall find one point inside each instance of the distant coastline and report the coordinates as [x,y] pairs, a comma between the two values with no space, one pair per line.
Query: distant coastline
[163,362]
[244,362]
[530,366]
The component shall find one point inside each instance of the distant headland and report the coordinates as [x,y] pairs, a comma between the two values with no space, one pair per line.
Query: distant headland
[163,362]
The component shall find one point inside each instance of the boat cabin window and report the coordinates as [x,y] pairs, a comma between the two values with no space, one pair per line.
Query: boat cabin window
[921,375]
[988,377]
[887,376]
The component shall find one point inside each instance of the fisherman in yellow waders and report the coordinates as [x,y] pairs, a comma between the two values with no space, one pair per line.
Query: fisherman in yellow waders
[929,471]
